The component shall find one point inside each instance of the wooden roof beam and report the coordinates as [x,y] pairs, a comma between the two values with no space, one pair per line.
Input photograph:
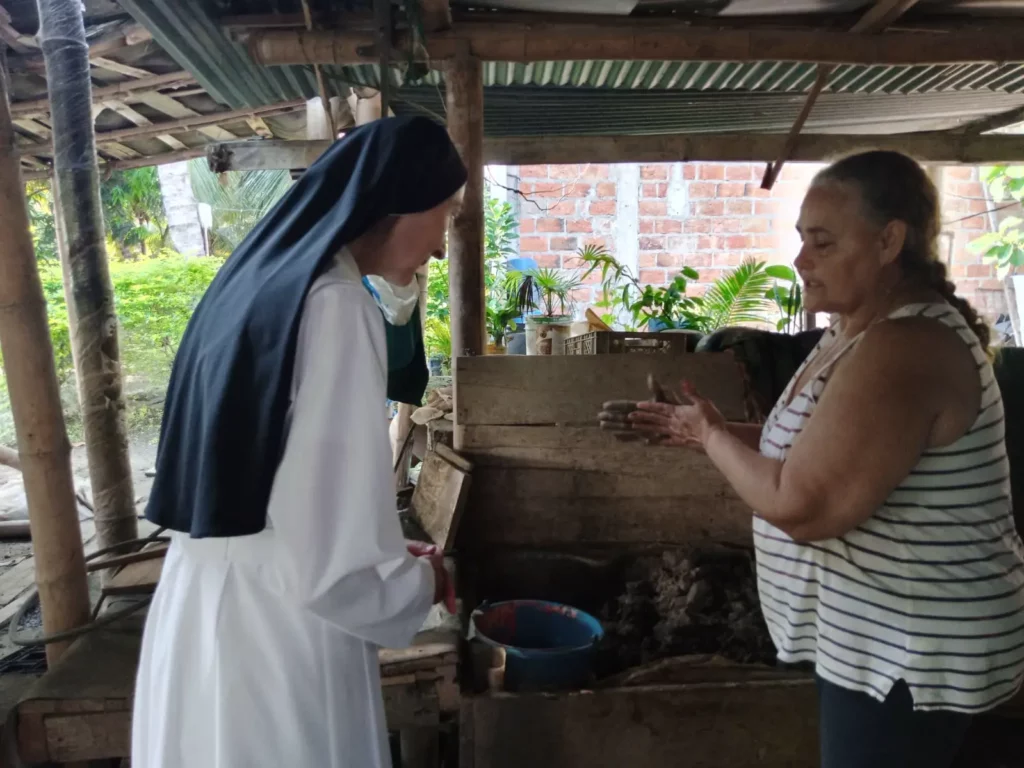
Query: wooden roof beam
[994,122]
[928,147]
[198,122]
[875,19]
[662,41]
[136,162]
[126,91]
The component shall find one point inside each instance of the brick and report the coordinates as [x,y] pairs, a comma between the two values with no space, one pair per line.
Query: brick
[563,208]
[702,189]
[647,259]
[597,242]
[697,260]
[754,190]
[564,172]
[533,244]
[573,262]
[696,225]
[739,172]
[647,226]
[768,242]
[958,270]
[766,207]
[595,171]
[653,190]
[649,243]
[707,243]
[668,226]
[708,208]
[960,173]
[728,258]
[579,225]
[739,207]
[563,243]
[533,171]
[594,278]
[739,242]
[583,296]
[550,225]
[731,189]
[755,224]
[527,226]
[727,226]
[602,208]
[685,243]
[689,171]
[978,270]
[654,172]
[547,260]
[711,171]
[560,189]
[991,285]
[607,189]
[788,189]
[653,208]
[653,276]
[669,260]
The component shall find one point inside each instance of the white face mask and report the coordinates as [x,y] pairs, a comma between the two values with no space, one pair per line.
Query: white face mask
[397,303]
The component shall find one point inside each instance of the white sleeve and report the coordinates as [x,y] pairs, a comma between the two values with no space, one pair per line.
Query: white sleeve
[333,502]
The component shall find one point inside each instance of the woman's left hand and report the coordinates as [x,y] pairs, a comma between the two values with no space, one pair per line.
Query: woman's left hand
[679,425]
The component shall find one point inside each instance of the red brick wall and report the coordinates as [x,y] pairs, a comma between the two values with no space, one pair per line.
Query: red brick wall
[721,216]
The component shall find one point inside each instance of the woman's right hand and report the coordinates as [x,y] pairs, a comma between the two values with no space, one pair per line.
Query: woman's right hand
[444,585]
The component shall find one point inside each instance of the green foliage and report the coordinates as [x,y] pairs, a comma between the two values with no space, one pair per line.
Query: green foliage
[238,199]
[155,299]
[1005,247]
[553,288]
[40,216]
[500,234]
[750,293]
[133,212]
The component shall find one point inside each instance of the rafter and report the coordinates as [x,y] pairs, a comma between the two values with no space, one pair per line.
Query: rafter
[126,91]
[994,122]
[874,20]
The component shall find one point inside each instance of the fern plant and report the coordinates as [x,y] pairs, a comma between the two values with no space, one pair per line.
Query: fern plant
[547,290]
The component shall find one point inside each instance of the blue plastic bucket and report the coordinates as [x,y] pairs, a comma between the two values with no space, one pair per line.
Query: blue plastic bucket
[547,645]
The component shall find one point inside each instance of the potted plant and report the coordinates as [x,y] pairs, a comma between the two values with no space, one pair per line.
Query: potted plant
[544,297]
[500,320]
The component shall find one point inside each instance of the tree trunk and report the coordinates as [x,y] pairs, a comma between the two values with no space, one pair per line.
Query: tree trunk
[181,209]
[66,53]
[43,448]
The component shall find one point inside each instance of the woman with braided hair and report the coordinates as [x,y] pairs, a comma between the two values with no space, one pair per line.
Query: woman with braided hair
[887,555]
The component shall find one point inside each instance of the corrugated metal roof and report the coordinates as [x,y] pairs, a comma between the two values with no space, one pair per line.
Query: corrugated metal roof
[519,111]
[605,96]
[699,77]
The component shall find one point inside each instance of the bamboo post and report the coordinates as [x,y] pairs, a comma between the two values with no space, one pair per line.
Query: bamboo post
[97,355]
[465,101]
[43,447]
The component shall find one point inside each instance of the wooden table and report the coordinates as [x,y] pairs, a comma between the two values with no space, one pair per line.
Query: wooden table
[81,709]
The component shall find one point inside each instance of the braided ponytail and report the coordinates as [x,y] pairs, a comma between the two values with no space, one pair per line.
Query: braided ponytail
[895,187]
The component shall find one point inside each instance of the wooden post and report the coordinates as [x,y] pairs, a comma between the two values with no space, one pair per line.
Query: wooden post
[45,453]
[465,95]
[62,39]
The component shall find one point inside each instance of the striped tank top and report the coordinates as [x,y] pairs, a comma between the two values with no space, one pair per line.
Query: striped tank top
[930,589]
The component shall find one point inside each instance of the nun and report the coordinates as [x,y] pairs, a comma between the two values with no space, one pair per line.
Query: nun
[287,568]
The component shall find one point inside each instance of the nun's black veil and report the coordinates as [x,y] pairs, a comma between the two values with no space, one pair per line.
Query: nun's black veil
[223,425]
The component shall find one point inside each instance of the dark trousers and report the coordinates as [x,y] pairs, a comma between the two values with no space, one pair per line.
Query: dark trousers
[858,731]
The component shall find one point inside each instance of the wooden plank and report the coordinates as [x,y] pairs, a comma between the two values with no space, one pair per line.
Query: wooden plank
[127,90]
[116,66]
[927,147]
[440,498]
[570,390]
[650,39]
[138,118]
[138,162]
[173,108]
[740,725]
[931,147]
[92,736]
[434,652]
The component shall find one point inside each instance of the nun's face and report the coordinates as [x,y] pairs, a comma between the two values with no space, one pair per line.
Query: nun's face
[414,238]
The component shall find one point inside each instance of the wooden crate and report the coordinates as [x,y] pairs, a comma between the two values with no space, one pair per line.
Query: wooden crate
[621,342]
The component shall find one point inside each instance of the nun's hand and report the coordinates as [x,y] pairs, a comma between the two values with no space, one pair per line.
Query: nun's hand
[444,585]
[689,425]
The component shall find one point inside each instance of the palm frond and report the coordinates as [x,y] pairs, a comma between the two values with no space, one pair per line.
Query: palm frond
[739,296]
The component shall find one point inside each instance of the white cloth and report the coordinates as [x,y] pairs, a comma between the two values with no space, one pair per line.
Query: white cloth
[397,302]
[261,651]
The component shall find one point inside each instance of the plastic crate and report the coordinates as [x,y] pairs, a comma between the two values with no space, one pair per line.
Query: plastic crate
[628,342]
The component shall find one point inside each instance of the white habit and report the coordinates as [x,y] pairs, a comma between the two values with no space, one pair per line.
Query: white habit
[261,651]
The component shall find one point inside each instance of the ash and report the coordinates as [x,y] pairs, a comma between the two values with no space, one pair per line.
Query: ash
[676,604]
